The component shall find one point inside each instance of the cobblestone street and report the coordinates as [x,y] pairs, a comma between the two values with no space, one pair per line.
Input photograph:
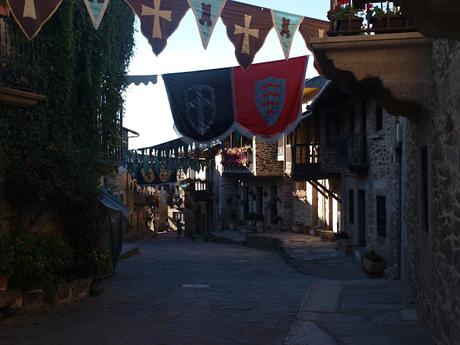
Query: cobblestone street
[177,293]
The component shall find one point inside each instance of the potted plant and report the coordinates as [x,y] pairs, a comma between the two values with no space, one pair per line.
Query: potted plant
[373,263]
[377,17]
[260,223]
[397,18]
[346,19]
[252,219]
[6,260]
[233,219]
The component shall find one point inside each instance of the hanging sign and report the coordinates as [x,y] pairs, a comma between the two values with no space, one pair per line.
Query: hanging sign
[31,15]
[96,10]
[247,28]
[159,19]
[206,13]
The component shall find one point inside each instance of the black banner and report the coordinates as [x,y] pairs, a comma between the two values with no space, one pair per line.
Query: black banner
[201,103]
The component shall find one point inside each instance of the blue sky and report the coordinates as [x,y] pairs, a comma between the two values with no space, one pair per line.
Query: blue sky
[147,109]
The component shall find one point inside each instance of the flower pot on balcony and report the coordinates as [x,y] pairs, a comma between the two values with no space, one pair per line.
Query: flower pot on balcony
[3,283]
[394,22]
[345,25]
[373,267]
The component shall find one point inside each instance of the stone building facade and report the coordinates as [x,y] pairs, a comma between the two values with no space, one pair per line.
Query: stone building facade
[435,253]
[259,188]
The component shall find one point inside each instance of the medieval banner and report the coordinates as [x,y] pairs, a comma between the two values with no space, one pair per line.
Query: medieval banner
[247,28]
[31,15]
[268,97]
[207,13]
[201,104]
[313,28]
[286,25]
[148,176]
[96,10]
[159,19]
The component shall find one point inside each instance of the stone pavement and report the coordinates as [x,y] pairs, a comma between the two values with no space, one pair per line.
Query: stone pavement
[344,306]
[176,292]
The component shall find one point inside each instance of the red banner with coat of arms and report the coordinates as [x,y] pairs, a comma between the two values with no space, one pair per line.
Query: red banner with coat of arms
[268,97]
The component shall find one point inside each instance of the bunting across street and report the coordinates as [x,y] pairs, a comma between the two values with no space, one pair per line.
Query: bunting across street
[247,28]
[313,28]
[159,19]
[263,101]
[286,25]
[31,15]
[96,10]
[207,13]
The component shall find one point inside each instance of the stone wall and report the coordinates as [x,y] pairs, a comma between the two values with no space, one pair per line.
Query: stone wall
[266,163]
[381,179]
[438,283]
[384,180]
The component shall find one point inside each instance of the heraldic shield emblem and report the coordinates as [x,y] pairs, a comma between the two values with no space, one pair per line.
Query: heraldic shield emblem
[200,103]
[270,98]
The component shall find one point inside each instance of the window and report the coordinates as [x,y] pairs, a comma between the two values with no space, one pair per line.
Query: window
[381,216]
[425,191]
[351,206]
[378,118]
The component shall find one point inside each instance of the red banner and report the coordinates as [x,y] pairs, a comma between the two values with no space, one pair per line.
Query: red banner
[268,97]
[159,19]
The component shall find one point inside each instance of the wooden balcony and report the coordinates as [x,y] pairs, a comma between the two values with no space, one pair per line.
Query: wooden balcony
[202,190]
[388,63]
[303,162]
[22,74]
[238,161]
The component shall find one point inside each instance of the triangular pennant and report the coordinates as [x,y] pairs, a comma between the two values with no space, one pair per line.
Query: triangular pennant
[313,28]
[206,12]
[159,19]
[31,15]
[247,28]
[286,26]
[96,10]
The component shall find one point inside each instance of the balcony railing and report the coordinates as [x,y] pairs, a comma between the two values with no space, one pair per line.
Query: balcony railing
[303,160]
[21,65]
[352,152]
[202,190]
[364,17]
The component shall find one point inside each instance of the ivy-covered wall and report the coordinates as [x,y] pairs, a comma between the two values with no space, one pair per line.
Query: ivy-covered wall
[53,155]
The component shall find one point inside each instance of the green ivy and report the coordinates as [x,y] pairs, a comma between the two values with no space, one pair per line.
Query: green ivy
[55,153]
